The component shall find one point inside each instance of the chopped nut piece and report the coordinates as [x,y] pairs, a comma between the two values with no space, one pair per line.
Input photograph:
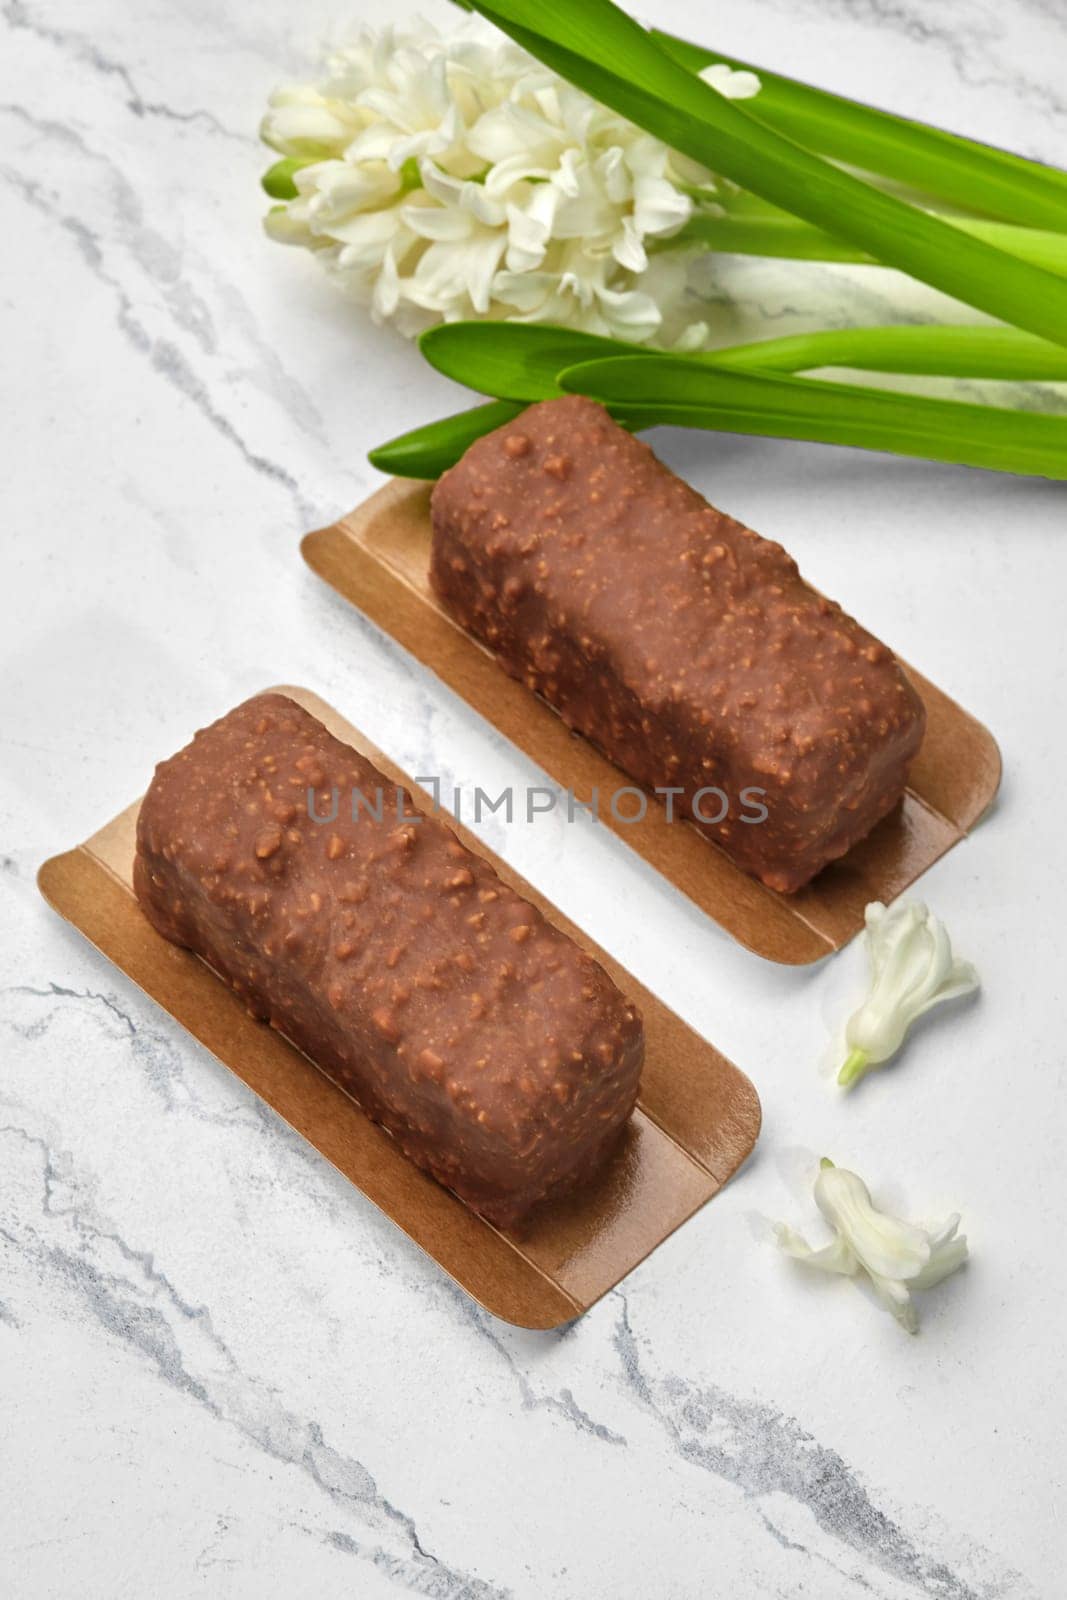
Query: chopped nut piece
[268,842]
[432,1064]
[385,1023]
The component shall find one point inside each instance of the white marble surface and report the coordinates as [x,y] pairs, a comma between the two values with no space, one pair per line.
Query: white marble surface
[222,1373]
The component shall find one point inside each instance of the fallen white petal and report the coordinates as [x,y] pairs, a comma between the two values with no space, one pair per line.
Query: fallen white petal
[898,1257]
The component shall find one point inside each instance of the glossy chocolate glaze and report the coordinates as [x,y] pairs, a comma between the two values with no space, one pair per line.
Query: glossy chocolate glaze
[686,647]
[499,1055]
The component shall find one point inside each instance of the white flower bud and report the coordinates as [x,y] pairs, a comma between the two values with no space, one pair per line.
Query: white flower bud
[912,969]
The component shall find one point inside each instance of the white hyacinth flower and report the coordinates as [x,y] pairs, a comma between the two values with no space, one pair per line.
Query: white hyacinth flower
[897,1256]
[912,969]
[448,177]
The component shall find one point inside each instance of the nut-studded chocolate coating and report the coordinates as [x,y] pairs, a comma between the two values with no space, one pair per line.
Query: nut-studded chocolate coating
[686,647]
[499,1055]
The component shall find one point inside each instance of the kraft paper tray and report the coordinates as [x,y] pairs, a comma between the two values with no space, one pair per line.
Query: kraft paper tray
[378,558]
[697,1117]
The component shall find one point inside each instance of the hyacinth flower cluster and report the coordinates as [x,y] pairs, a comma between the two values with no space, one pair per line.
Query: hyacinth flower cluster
[447,177]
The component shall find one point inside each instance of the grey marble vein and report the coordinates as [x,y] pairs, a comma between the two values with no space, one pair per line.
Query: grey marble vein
[163,355]
[156,1054]
[18,15]
[970,44]
[562,1404]
[134,1302]
[762,1452]
[436,1585]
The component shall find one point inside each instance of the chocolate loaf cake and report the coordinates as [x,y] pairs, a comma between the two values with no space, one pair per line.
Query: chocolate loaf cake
[498,1054]
[686,647]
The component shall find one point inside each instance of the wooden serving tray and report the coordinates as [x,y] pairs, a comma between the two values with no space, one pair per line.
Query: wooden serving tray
[697,1117]
[378,557]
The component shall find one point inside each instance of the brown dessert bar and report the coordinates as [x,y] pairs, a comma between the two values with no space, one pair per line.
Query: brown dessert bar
[686,647]
[498,1054]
